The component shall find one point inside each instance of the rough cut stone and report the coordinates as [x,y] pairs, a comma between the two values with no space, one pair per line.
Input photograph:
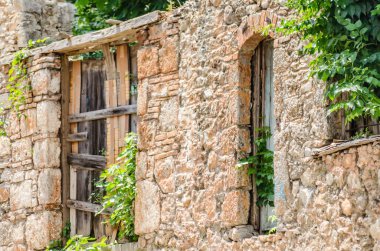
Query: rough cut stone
[5,233]
[46,81]
[375,230]
[5,146]
[164,174]
[46,153]
[168,55]
[40,228]
[4,193]
[241,232]
[148,62]
[48,117]
[147,210]
[235,208]
[49,186]
[28,123]
[21,149]
[21,195]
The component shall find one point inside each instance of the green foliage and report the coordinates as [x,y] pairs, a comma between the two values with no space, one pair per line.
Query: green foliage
[66,231]
[345,37]
[261,164]
[119,184]
[18,85]
[79,243]
[92,14]
[272,219]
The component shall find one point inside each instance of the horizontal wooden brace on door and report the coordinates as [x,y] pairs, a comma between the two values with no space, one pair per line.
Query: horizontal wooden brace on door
[102,114]
[96,169]
[77,137]
[86,160]
[86,206]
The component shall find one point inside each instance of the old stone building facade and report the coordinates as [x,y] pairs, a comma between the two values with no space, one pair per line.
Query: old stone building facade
[194,99]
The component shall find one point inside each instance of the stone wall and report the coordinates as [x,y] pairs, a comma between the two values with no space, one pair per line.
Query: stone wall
[21,20]
[193,127]
[30,175]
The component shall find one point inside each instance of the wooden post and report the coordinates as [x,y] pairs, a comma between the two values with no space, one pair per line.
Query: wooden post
[66,145]
[75,85]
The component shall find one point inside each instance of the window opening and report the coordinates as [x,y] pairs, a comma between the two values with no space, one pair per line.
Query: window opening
[262,126]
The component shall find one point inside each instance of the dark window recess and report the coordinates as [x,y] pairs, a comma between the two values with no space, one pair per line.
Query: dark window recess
[262,115]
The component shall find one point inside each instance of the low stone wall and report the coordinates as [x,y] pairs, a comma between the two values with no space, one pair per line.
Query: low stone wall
[30,175]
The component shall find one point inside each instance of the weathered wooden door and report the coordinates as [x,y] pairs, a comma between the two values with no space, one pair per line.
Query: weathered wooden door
[100,114]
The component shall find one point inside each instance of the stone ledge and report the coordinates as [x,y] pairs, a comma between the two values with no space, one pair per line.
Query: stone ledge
[336,147]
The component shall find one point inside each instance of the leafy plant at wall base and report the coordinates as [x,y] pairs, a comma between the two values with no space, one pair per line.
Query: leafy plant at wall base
[80,243]
[18,85]
[344,36]
[261,164]
[119,184]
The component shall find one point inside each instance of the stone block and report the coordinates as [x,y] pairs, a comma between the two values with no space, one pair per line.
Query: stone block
[49,186]
[147,61]
[147,211]
[168,119]
[142,98]
[18,233]
[22,149]
[41,228]
[46,153]
[164,174]
[4,101]
[28,6]
[28,123]
[238,177]
[5,233]
[375,230]
[168,55]
[241,232]
[46,81]
[21,195]
[5,146]
[349,160]
[48,117]
[142,165]
[235,208]
[4,193]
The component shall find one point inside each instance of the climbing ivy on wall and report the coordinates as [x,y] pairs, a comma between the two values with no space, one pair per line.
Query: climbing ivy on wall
[18,84]
[119,184]
[344,36]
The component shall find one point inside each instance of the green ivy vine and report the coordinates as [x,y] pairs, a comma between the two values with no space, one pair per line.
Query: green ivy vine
[119,184]
[18,84]
[344,37]
[261,164]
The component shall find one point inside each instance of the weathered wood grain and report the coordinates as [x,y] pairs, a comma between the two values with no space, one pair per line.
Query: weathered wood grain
[86,206]
[77,137]
[336,147]
[96,38]
[86,160]
[102,114]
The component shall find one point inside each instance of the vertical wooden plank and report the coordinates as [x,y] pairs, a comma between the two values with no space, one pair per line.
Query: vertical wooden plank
[75,85]
[112,101]
[122,60]
[66,146]
[255,122]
